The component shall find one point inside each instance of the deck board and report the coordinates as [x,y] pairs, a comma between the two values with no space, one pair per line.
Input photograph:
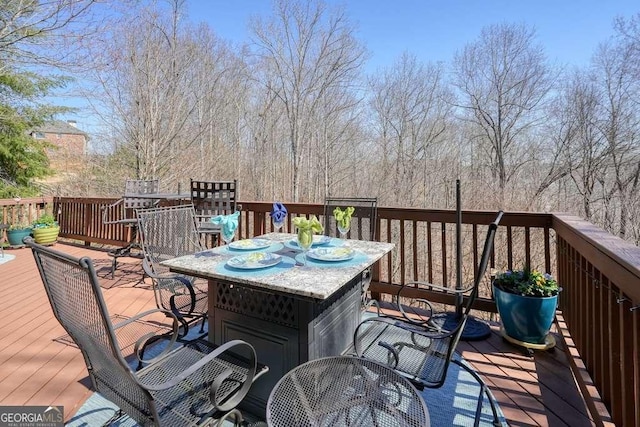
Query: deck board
[37,369]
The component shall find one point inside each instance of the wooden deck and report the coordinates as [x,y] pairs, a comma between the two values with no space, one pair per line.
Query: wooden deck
[36,368]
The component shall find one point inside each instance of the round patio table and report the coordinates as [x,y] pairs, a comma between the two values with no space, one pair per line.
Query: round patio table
[345,391]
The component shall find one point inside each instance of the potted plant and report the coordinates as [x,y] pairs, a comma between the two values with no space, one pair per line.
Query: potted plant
[17,232]
[19,229]
[526,300]
[45,229]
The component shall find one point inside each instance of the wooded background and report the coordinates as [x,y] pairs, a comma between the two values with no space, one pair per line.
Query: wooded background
[293,116]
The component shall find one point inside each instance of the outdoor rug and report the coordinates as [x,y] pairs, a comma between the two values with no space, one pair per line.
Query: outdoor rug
[454,404]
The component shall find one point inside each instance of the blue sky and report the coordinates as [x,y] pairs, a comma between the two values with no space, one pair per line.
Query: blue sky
[569,30]
[433,30]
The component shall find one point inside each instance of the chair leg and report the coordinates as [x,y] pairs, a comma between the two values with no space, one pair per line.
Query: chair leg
[204,319]
[483,390]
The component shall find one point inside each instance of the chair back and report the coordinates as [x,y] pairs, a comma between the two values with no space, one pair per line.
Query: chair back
[167,232]
[211,198]
[437,373]
[136,187]
[76,299]
[421,350]
[363,220]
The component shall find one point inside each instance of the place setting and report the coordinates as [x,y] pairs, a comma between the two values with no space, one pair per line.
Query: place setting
[256,263]
[330,256]
[253,244]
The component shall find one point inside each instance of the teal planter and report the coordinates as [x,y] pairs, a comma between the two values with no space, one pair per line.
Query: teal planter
[15,236]
[526,319]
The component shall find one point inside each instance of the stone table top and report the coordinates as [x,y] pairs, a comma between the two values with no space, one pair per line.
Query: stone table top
[318,280]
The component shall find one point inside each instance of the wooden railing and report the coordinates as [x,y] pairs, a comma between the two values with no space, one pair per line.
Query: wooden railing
[600,275]
[600,304]
[23,211]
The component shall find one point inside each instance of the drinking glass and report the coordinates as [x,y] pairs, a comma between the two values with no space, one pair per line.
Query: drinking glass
[344,230]
[305,240]
[277,225]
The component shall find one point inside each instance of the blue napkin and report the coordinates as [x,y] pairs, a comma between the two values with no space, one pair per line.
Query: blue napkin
[279,212]
[228,223]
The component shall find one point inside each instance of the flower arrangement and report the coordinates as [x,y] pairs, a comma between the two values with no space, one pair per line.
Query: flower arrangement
[527,282]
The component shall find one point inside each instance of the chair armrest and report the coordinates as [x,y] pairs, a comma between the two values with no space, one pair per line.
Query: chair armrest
[431,286]
[107,209]
[220,379]
[141,341]
[165,280]
[419,318]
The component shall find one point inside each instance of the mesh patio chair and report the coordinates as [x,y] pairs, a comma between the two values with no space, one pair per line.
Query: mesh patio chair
[123,212]
[212,198]
[363,227]
[363,220]
[187,384]
[418,349]
[165,233]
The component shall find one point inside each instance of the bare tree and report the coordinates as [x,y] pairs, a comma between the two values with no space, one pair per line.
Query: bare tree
[581,148]
[503,80]
[47,33]
[620,128]
[166,97]
[410,105]
[306,52]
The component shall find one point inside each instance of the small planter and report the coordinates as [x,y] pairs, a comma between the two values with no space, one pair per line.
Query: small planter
[526,319]
[15,236]
[46,235]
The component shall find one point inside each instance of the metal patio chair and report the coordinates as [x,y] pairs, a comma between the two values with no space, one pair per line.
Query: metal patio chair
[212,198]
[165,233]
[363,220]
[185,384]
[418,349]
[123,212]
[363,227]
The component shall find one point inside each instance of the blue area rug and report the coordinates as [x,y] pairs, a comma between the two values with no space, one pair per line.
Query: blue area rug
[454,404]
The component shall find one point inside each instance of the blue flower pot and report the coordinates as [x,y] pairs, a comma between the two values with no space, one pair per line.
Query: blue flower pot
[15,236]
[526,319]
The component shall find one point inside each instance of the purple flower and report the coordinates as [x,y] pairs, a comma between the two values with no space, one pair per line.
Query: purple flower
[279,212]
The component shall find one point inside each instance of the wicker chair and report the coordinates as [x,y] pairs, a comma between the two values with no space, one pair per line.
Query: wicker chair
[212,198]
[416,348]
[188,384]
[166,233]
[123,212]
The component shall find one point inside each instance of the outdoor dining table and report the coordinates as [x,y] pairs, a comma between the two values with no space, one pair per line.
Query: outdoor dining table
[291,313]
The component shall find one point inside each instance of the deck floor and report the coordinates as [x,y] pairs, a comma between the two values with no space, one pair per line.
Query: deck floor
[37,368]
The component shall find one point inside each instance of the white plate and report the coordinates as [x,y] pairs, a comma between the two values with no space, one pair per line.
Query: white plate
[254,260]
[250,244]
[331,254]
[317,240]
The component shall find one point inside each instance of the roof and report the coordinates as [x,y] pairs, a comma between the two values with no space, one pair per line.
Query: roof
[59,126]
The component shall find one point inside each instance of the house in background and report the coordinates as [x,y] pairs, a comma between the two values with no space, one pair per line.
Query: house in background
[70,144]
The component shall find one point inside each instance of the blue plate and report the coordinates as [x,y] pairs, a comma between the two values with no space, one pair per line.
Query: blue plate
[331,254]
[254,261]
[250,244]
